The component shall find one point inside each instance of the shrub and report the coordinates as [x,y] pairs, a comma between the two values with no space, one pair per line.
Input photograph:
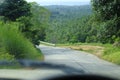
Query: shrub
[16,44]
[6,56]
[112,54]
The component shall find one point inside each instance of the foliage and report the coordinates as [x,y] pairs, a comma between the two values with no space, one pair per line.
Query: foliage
[13,9]
[106,9]
[33,27]
[21,22]
[66,27]
[107,14]
[62,13]
[101,26]
[39,20]
[112,54]
[6,56]
[14,44]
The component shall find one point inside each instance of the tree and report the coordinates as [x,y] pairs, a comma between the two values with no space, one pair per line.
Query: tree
[107,12]
[13,9]
[66,27]
[39,20]
[106,9]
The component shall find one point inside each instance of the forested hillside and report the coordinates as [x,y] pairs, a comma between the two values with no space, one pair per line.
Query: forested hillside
[68,12]
[66,23]
[97,23]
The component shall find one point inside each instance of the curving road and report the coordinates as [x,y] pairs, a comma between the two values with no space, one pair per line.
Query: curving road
[77,61]
[80,60]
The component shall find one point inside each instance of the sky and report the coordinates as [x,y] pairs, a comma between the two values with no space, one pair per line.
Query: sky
[61,2]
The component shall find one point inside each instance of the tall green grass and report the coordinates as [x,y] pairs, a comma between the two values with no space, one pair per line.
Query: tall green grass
[15,45]
[112,54]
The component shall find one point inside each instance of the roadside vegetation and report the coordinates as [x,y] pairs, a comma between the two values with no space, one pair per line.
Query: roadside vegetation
[20,30]
[112,54]
[13,45]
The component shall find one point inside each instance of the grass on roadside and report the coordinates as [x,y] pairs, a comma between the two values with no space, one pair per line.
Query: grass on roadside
[112,54]
[90,48]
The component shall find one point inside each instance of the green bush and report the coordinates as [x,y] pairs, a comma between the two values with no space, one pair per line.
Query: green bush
[115,57]
[91,39]
[112,54]
[14,43]
[6,56]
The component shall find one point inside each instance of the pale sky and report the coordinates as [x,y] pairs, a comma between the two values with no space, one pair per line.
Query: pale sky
[61,2]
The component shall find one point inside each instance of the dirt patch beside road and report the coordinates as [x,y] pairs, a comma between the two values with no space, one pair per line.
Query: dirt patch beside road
[96,50]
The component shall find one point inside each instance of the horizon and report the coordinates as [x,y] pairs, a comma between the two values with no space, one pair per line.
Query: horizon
[61,2]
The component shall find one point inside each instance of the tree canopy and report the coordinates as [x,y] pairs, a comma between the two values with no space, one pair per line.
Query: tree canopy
[34,26]
[106,9]
[107,13]
[13,9]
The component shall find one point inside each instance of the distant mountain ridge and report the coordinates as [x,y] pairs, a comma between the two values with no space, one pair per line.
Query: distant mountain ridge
[66,3]
[60,12]
[68,23]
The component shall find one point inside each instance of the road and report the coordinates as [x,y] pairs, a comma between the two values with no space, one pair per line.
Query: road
[76,60]
[80,60]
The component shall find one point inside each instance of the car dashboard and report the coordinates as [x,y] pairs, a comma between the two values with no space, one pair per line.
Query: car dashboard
[36,70]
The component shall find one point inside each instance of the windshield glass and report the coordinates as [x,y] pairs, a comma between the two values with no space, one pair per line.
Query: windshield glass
[60,36]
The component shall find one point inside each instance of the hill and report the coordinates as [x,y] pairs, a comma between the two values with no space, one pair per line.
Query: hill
[66,25]
[68,12]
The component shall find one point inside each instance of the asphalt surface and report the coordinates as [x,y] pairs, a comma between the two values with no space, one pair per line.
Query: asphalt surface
[64,61]
[80,60]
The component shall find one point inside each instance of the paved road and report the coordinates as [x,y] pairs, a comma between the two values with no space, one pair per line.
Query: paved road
[76,60]
[80,60]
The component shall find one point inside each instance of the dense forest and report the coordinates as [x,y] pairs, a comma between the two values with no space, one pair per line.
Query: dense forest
[61,13]
[66,23]
[98,23]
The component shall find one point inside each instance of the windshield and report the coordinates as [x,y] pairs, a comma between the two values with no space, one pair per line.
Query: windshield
[59,37]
